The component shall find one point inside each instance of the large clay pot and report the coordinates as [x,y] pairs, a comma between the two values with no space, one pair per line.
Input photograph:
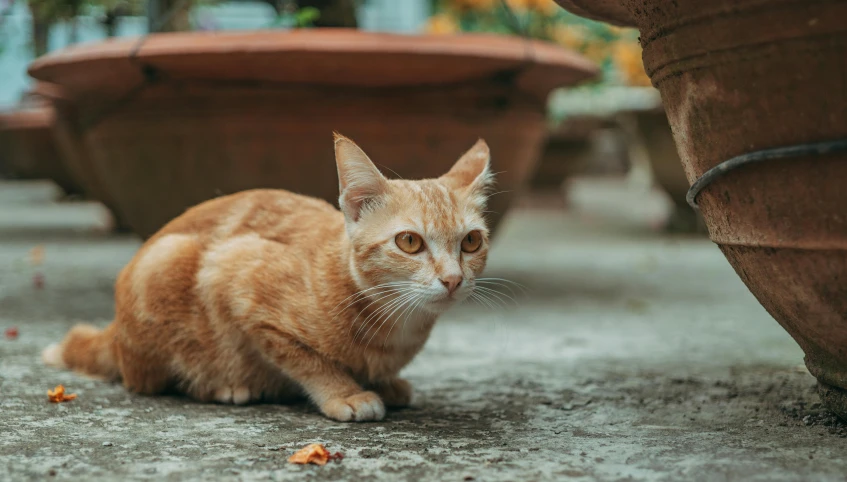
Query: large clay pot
[188,117]
[28,148]
[75,156]
[739,76]
[568,150]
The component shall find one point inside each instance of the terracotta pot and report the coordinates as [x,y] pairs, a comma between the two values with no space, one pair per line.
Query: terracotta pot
[75,155]
[654,133]
[28,148]
[194,116]
[739,76]
[609,11]
[568,150]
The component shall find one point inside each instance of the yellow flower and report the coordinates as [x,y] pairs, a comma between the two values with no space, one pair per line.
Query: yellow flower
[472,4]
[442,24]
[616,30]
[569,36]
[595,51]
[627,56]
[547,7]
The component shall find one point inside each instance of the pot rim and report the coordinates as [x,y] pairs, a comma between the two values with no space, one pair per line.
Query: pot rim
[40,117]
[339,57]
[609,11]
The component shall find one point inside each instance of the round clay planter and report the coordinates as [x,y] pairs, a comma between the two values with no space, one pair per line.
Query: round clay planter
[568,150]
[75,155]
[654,133]
[28,148]
[739,76]
[194,116]
[609,11]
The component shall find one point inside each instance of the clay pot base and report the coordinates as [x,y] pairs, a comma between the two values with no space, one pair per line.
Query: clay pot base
[834,399]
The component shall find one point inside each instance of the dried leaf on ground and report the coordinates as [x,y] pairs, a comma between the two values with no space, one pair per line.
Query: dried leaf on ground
[36,255]
[314,454]
[57,395]
[38,281]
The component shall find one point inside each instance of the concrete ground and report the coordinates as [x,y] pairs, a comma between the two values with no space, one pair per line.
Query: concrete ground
[631,356]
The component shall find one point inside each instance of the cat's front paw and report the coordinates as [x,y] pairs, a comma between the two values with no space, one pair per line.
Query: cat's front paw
[361,407]
[395,393]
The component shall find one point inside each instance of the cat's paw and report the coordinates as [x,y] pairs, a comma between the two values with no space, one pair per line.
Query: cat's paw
[395,393]
[237,395]
[361,407]
[52,356]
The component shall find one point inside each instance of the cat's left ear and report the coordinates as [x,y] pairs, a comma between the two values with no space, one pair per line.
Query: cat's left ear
[472,170]
[359,181]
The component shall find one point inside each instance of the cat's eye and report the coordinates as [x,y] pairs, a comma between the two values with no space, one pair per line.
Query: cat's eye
[409,242]
[472,241]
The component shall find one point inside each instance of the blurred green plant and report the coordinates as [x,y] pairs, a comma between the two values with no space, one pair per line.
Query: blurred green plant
[616,50]
[113,10]
[173,15]
[46,13]
[296,18]
[315,13]
[5,11]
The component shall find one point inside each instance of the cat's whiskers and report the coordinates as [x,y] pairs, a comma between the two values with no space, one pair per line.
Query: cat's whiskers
[504,283]
[405,302]
[392,297]
[377,315]
[481,300]
[497,301]
[378,290]
[496,294]
[382,294]
[361,293]
[487,286]
[496,193]
[414,307]
[397,294]
[408,306]
[382,309]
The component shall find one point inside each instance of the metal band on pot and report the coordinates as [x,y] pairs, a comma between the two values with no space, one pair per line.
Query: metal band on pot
[799,150]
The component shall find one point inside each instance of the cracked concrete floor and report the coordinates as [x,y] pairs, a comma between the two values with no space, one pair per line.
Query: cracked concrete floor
[630,357]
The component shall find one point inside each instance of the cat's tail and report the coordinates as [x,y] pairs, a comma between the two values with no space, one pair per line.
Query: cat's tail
[85,349]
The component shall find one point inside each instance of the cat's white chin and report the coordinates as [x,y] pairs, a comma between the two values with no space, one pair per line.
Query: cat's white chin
[444,303]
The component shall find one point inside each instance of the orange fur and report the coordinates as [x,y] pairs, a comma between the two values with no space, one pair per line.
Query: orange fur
[269,295]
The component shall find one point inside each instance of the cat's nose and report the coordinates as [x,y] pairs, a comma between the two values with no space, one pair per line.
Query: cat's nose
[451,282]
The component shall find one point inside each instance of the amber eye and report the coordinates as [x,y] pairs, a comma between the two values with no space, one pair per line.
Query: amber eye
[409,242]
[472,241]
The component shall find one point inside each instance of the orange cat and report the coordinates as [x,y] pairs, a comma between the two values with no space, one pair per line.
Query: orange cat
[268,295]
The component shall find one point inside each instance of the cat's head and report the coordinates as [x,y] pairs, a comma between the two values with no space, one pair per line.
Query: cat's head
[427,239]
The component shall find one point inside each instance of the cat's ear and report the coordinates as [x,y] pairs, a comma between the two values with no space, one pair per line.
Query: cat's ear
[359,181]
[472,170]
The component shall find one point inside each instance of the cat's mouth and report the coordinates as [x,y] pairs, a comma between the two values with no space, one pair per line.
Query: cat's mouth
[447,299]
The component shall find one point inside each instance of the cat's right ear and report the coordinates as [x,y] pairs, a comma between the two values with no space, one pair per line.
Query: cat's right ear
[359,181]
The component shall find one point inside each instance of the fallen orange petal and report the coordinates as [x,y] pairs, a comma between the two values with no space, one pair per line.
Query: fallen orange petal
[311,454]
[57,395]
[36,255]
